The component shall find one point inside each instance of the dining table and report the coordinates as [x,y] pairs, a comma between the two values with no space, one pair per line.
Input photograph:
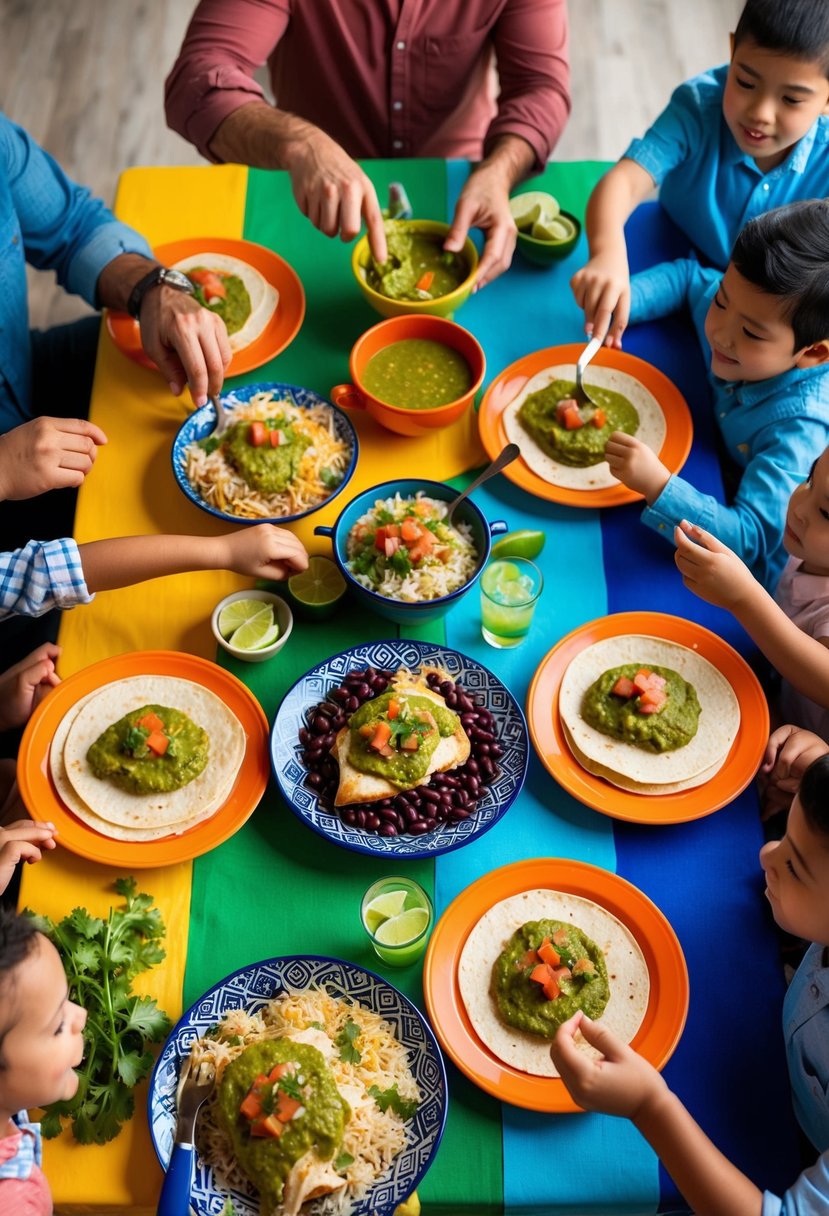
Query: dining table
[275,888]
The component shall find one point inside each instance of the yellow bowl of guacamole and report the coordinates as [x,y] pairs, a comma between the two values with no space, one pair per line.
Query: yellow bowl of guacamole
[416,256]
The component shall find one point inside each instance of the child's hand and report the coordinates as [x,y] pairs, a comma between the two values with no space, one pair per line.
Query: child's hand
[710,569]
[24,686]
[47,454]
[636,465]
[264,551]
[789,752]
[602,289]
[23,841]
[621,1083]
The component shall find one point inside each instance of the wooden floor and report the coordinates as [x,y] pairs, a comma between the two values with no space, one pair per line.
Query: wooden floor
[86,78]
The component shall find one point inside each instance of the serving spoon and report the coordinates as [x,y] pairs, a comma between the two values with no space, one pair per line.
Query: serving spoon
[503,458]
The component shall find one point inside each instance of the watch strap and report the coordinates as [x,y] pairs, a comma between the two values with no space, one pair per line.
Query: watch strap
[158,275]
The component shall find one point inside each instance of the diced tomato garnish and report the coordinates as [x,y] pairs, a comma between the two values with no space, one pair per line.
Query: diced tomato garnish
[279,1070]
[658,681]
[286,1107]
[567,403]
[151,722]
[542,974]
[410,743]
[269,1126]
[425,280]
[528,959]
[393,709]
[277,438]
[599,419]
[391,545]
[158,742]
[381,736]
[560,937]
[548,954]
[551,989]
[642,679]
[651,701]
[211,282]
[383,533]
[422,546]
[258,434]
[410,529]
[624,688]
[251,1107]
[573,419]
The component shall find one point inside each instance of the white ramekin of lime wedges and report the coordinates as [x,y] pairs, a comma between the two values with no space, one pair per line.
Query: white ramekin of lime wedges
[252,625]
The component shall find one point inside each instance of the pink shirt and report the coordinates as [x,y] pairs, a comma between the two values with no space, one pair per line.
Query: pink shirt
[384,78]
[24,1190]
[805,600]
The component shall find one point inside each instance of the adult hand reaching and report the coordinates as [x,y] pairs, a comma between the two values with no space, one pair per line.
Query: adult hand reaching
[188,343]
[484,203]
[47,454]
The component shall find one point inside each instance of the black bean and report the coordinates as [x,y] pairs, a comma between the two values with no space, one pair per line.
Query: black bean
[457,814]
[420,828]
[482,749]
[471,766]
[389,816]
[496,751]
[314,780]
[379,683]
[352,703]
[321,725]
[327,707]
[487,767]
[446,686]
[363,691]
[472,784]
[468,719]
[387,829]
[372,821]
[349,816]
[360,818]
[431,824]
[428,794]
[340,694]
[465,703]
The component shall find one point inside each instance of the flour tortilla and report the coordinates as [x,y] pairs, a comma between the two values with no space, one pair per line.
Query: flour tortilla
[690,765]
[626,969]
[652,426]
[638,787]
[263,296]
[123,815]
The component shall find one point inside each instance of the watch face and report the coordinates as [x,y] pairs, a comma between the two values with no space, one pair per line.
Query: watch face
[175,278]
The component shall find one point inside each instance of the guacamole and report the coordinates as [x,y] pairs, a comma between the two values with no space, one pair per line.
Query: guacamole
[266,1160]
[416,258]
[403,766]
[621,717]
[417,374]
[522,1001]
[265,468]
[122,754]
[585,445]
[234,308]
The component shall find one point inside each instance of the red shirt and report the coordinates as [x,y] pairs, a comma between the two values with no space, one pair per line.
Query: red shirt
[384,78]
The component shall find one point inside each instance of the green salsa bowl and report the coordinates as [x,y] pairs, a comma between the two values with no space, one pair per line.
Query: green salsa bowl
[544,253]
[440,306]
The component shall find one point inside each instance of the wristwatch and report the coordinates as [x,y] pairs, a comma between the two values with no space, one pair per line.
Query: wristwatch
[158,276]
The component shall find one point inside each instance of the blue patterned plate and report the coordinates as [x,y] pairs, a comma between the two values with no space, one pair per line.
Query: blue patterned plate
[252,987]
[202,421]
[314,686]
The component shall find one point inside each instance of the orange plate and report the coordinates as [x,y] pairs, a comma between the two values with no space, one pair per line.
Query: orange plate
[506,387]
[664,1018]
[42,799]
[280,331]
[551,747]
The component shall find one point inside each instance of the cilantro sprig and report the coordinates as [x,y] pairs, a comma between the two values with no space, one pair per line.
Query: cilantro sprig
[101,958]
[345,1040]
[406,1108]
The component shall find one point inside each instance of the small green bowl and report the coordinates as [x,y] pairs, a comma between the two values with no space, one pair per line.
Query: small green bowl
[542,253]
[442,306]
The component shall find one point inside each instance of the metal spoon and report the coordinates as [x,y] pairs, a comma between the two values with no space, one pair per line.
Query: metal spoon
[224,418]
[581,395]
[503,458]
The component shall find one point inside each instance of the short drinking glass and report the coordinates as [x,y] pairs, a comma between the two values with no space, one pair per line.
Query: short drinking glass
[510,588]
[397,915]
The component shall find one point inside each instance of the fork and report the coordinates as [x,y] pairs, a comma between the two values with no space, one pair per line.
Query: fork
[195,1084]
[224,418]
[581,395]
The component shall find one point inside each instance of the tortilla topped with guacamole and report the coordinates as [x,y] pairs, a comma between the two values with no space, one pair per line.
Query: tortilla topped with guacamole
[235,291]
[499,957]
[657,737]
[570,455]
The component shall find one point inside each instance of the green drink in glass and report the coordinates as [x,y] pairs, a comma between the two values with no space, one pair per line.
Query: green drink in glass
[397,915]
[509,593]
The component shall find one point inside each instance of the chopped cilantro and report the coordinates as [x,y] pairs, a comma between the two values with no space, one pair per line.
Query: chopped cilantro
[135,741]
[330,478]
[349,1053]
[209,444]
[400,562]
[385,1098]
[342,1161]
[383,516]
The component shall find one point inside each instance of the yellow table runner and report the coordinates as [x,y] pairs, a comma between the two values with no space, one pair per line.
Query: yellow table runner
[130,491]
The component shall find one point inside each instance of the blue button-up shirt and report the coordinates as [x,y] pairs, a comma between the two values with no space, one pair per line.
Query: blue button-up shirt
[774,429]
[54,224]
[710,188]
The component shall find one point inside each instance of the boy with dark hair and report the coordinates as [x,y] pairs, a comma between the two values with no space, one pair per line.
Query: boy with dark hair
[620,1082]
[731,144]
[764,327]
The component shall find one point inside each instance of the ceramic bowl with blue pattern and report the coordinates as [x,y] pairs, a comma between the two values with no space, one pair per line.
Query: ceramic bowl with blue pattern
[202,422]
[291,773]
[250,989]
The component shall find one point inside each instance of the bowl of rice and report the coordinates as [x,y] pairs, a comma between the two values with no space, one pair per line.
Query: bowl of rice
[400,556]
[287,453]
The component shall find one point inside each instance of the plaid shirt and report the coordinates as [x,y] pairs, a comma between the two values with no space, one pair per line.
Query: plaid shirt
[40,576]
[26,1149]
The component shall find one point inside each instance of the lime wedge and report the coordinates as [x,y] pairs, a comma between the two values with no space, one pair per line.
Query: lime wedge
[239,612]
[398,930]
[556,230]
[524,543]
[382,907]
[257,633]
[318,588]
[532,207]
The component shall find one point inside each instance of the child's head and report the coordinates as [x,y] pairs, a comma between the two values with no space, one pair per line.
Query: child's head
[807,520]
[777,82]
[797,867]
[771,310]
[40,1028]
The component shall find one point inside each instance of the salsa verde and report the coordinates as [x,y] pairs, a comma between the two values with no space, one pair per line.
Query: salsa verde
[121,756]
[234,308]
[673,726]
[411,256]
[404,768]
[270,470]
[585,445]
[417,374]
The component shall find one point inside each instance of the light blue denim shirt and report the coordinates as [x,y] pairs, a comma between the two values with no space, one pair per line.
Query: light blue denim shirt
[806,1031]
[809,1196]
[774,429]
[54,224]
[708,187]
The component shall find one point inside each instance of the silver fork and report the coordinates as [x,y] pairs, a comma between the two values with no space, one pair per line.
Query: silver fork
[224,418]
[195,1084]
[581,395]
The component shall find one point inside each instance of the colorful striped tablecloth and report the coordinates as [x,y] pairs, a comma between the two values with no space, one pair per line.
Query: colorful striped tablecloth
[249,899]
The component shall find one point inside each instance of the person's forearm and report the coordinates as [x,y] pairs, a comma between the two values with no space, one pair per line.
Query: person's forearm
[800,659]
[118,277]
[258,134]
[131,559]
[707,1180]
[610,204]
[511,158]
